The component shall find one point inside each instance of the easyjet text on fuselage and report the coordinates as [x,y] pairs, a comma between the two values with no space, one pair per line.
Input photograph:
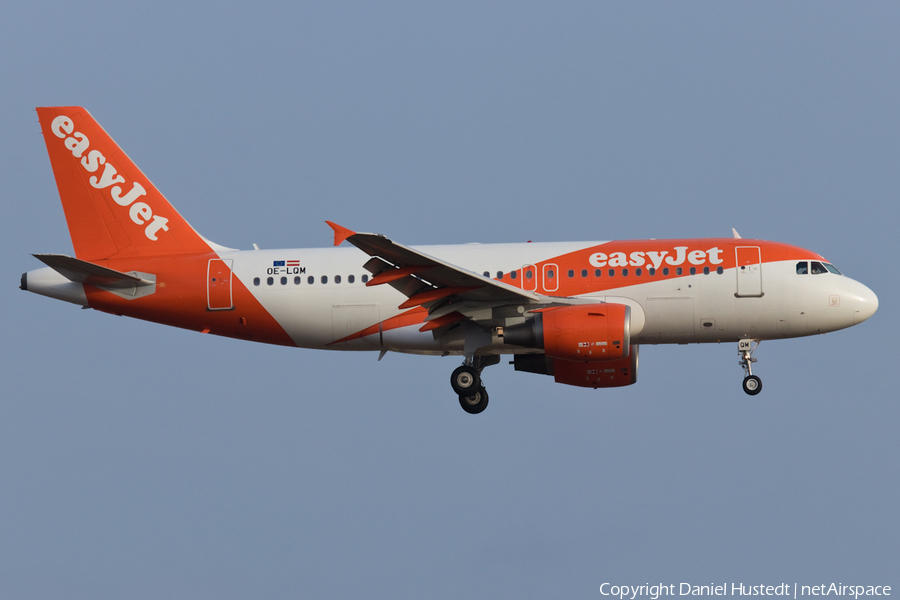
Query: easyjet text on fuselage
[678,256]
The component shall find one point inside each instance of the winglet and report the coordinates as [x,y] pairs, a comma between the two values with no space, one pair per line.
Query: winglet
[340,233]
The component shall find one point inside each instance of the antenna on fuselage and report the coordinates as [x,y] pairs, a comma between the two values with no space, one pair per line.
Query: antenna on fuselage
[737,236]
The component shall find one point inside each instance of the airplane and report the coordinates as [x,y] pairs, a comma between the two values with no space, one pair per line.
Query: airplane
[576,311]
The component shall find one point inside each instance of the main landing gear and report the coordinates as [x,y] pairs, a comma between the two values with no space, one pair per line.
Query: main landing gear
[752,384]
[466,383]
[475,403]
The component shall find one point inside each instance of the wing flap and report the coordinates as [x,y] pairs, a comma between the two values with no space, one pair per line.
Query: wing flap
[433,295]
[389,275]
[442,321]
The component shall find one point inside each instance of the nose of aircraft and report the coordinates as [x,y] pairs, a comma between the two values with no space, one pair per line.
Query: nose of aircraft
[866,304]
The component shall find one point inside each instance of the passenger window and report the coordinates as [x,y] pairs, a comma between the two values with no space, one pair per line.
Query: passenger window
[269,281]
[678,271]
[337,278]
[487,273]
[284,281]
[324,278]
[816,268]
[624,272]
[584,272]
[612,272]
[297,280]
[652,271]
[499,274]
[256,281]
[350,278]
[513,274]
[365,278]
[550,274]
[665,270]
[720,270]
[310,280]
[638,272]
[802,268]
[528,274]
[571,273]
[693,270]
[598,272]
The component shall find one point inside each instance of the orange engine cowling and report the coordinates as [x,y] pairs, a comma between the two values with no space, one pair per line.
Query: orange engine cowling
[588,332]
[593,374]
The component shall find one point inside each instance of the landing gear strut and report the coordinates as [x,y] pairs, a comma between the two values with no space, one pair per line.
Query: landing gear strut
[466,383]
[752,384]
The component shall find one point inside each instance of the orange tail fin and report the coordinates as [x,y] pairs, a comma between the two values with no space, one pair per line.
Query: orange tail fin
[111,208]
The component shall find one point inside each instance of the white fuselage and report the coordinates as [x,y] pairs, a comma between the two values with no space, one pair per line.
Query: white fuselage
[325,306]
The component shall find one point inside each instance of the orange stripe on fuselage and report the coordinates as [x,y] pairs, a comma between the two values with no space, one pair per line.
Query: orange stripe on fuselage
[180,300]
[642,254]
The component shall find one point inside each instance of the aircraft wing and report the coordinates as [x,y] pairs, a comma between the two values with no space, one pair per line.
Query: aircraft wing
[428,281]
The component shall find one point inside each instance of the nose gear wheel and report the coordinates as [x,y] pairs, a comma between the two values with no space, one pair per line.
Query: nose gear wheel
[752,384]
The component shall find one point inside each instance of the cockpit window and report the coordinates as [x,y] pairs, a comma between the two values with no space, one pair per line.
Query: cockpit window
[802,268]
[817,268]
[832,269]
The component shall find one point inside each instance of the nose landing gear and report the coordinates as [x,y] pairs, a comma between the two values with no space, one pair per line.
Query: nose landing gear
[752,384]
[466,383]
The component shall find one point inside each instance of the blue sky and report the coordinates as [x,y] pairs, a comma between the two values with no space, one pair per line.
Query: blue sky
[141,461]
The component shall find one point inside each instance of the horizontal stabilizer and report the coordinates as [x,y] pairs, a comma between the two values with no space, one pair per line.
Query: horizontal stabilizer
[127,285]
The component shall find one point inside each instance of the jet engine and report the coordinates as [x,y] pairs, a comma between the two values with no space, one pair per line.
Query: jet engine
[588,332]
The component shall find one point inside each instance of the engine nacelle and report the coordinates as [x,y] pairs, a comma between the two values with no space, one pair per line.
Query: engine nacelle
[588,332]
[594,374]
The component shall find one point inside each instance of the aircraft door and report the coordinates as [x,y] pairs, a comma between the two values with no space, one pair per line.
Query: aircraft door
[749,272]
[529,278]
[218,284]
[551,278]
